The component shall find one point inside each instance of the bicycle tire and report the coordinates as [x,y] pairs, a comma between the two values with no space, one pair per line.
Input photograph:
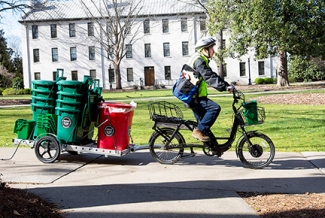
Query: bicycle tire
[166,153]
[260,154]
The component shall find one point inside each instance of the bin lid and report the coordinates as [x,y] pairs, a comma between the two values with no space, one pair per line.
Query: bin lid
[67,110]
[42,98]
[41,105]
[69,94]
[69,83]
[43,82]
[113,104]
[67,102]
[43,91]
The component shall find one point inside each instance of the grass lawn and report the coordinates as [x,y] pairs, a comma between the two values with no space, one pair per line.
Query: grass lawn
[291,127]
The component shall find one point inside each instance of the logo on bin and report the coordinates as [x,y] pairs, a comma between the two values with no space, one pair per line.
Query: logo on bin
[109,131]
[66,122]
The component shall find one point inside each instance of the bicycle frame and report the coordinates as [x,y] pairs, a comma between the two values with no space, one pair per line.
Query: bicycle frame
[190,125]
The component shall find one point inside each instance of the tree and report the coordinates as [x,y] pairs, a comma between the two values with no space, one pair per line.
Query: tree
[115,19]
[18,5]
[271,27]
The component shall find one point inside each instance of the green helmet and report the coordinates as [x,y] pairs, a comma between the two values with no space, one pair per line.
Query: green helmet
[204,42]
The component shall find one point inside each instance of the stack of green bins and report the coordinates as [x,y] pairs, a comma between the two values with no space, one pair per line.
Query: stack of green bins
[46,123]
[67,108]
[43,97]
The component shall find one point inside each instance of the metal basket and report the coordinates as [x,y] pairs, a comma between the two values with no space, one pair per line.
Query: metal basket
[253,117]
[164,111]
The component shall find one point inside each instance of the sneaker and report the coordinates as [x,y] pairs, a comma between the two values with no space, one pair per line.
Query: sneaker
[200,136]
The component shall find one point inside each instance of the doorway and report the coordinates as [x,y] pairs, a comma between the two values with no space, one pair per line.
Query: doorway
[149,76]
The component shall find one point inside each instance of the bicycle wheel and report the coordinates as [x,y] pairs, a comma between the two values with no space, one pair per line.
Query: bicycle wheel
[164,149]
[259,153]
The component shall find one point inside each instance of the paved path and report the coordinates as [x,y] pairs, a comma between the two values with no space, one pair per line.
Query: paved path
[88,185]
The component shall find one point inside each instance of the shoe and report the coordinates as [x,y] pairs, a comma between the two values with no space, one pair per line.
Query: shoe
[200,136]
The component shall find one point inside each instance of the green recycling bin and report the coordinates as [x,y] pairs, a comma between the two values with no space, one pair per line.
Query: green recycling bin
[250,112]
[44,85]
[24,128]
[41,109]
[67,124]
[69,86]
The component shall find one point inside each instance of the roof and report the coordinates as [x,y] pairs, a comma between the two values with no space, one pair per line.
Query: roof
[75,9]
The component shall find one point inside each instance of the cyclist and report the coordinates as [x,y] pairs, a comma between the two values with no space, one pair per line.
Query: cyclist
[205,110]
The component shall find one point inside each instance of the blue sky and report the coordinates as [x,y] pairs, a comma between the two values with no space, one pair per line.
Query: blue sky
[9,23]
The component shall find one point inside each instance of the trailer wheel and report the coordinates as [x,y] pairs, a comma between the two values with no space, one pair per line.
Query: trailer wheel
[47,149]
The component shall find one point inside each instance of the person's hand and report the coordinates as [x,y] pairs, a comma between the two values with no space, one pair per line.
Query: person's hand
[230,88]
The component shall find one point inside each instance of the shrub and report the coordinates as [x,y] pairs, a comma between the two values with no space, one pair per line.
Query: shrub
[162,86]
[135,87]
[9,91]
[268,80]
[1,90]
[27,91]
[259,81]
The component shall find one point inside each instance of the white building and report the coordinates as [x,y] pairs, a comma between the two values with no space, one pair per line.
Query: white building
[59,35]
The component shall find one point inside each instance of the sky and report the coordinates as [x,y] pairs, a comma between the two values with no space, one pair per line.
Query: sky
[9,23]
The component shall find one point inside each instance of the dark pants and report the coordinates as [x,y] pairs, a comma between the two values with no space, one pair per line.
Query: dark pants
[206,112]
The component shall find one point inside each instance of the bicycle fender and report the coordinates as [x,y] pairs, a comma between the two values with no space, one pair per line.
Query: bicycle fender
[250,133]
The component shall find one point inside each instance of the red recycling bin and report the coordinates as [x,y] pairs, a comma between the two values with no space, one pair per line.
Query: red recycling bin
[114,125]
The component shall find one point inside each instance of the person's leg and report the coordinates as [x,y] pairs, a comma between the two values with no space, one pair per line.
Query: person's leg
[211,113]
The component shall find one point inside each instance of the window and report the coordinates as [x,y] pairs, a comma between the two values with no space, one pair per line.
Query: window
[242,69]
[72,30]
[55,55]
[92,74]
[129,74]
[34,31]
[166,49]
[202,24]
[91,52]
[36,55]
[261,68]
[73,53]
[37,76]
[147,50]
[91,29]
[185,48]
[167,73]
[146,26]
[110,54]
[184,24]
[111,75]
[128,51]
[165,26]
[54,33]
[74,75]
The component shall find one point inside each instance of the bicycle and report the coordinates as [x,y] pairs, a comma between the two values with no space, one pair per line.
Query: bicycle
[254,149]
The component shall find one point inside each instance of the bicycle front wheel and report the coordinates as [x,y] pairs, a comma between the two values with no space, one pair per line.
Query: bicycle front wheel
[164,148]
[256,150]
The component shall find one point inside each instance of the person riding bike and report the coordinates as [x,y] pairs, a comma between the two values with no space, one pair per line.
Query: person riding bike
[205,110]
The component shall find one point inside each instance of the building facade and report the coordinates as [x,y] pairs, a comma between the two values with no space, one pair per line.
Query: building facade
[59,35]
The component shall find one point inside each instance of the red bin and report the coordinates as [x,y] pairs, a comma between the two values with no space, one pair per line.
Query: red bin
[114,125]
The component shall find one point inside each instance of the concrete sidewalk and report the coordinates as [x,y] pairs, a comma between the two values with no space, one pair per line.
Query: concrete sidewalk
[88,185]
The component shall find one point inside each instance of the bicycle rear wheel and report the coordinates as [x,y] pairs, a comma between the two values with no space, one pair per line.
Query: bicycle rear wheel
[164,149]
[260,153]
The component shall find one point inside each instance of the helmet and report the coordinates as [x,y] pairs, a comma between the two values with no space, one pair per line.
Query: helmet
[204,42]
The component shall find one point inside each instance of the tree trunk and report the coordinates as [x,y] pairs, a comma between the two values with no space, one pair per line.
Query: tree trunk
[220,60]
[282,69]
[118,76]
